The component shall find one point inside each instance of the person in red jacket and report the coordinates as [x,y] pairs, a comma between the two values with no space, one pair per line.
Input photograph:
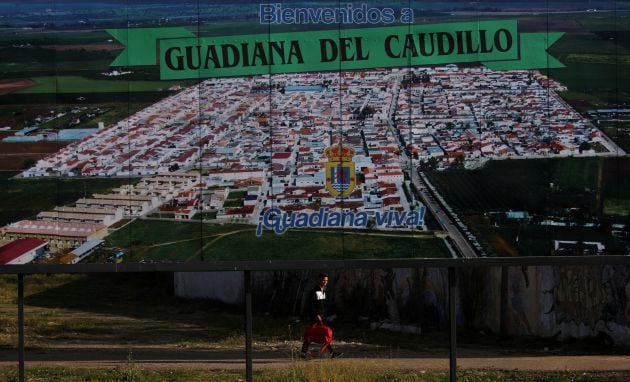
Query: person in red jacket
[316,310]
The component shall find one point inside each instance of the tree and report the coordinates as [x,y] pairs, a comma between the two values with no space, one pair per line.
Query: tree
[432,163]
[585,146]
[28,163]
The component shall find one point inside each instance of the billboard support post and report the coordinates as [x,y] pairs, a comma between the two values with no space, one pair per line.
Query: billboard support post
[21,376]
[452,317]
[248,326]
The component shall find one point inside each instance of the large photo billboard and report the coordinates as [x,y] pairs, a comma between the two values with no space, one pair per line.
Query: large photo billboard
[149,131]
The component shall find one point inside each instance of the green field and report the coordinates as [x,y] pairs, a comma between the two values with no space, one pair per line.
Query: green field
[617,207]
[597,58]
[36,68]
[152,240]
[616,183]
[576,188]
[115,112]
[24,198]
[618,131]
[537,240]
[305,245]
[58,37]
[607,82]
[521,185]
[21,115]
[598,22]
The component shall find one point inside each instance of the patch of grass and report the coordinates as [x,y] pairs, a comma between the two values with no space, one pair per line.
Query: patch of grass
[597,63]
[174,241]
[498,241]
[598,22]
[583,101]
[151,232]
[605,81]
[126,373]
[598,58]
[58,37]
[576,174]
[237,195]
[75,84]
[309,245]
[622,125]
[535,240]
[526,185]
[233,203]
[33,68]
[519,185]
[163,215]
[330,371]
[617,207]
[205,215]
[617,178]
[176,252]
[111,309]
[586,44]
[116,113]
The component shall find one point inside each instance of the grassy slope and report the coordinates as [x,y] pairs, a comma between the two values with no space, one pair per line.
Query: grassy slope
[186,241]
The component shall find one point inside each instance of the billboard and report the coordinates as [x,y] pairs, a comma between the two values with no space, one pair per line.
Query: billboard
[147,131]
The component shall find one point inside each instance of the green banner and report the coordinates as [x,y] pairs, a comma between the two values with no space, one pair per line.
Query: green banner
[496,44]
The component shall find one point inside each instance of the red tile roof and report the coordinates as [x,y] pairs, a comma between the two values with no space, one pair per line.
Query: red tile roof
[281,155]
[17,248]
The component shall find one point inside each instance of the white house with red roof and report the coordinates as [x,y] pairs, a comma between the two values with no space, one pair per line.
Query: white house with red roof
[21,251]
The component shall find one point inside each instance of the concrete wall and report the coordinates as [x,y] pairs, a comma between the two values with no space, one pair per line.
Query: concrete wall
[567,302]
[226,287]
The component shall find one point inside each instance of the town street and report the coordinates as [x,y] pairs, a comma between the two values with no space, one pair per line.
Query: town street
[463,246]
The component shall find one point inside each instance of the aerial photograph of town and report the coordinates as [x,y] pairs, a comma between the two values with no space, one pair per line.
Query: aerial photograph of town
[426,130]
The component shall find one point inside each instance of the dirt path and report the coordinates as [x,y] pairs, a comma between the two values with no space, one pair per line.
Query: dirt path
[217,237]
[155,357]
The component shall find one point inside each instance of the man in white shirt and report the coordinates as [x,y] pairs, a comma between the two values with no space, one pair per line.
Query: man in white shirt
[316,310]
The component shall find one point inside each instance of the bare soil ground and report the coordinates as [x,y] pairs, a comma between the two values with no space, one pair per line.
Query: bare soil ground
[13,155]
[8,86]
[285,355]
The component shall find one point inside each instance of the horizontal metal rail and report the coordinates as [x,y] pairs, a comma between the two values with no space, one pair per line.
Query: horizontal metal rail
[274,265]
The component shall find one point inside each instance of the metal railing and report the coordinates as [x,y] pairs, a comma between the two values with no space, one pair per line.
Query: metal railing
[247,267]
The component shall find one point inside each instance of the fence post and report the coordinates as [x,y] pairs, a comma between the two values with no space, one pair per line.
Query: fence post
[248,326]
[452,317]
[504,323]
[20,301]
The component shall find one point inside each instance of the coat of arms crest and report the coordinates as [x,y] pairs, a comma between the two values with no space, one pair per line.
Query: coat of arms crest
[340,175]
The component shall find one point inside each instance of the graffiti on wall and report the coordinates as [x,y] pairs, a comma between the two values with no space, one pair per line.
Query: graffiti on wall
[585,302]
[591,294]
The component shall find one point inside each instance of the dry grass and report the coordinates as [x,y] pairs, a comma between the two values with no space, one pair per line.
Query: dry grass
[328,371]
